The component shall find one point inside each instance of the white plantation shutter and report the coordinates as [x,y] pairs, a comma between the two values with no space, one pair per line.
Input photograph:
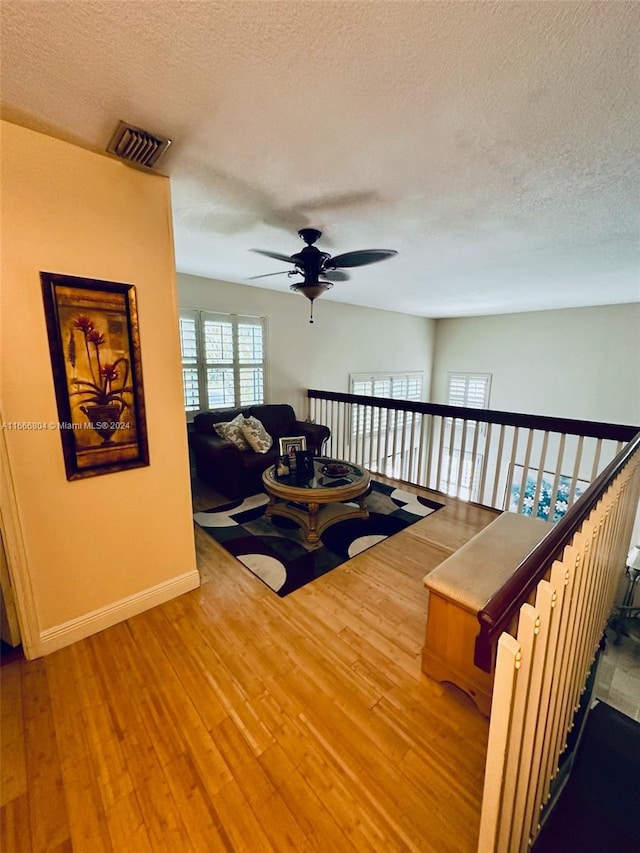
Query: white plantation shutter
[395,386]
[218,340]
[469,389]
[218,353]
[223,360]
[457,389]
[414,386]
[189,347]
[251,362]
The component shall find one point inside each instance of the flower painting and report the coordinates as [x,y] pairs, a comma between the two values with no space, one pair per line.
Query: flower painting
[105,395]
[95,352]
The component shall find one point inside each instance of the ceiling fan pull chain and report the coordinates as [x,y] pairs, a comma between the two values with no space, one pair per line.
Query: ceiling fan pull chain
[311,320]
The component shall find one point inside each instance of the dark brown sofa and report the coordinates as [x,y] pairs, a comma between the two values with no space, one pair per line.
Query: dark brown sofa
[238,473]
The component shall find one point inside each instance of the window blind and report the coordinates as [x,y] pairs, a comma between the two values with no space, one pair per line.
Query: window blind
[223,360]
[469,389]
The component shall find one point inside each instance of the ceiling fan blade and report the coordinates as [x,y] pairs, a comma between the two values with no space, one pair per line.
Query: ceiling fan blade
[360,259]
[335,275]
[276,255]
[267,274]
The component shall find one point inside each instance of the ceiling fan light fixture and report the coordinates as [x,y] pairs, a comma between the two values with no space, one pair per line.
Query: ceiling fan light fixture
[311,291]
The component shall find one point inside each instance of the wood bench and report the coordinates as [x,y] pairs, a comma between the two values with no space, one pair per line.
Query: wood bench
[460,587]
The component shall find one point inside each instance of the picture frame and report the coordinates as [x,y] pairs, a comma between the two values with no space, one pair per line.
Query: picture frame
[547,508]
[282,467]
[94,344]
[304,463]
[289,444]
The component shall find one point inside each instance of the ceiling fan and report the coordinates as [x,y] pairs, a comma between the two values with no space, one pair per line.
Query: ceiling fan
[311,264]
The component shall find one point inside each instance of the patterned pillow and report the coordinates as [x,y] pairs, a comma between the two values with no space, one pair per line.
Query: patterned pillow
[232,431]
[257,436]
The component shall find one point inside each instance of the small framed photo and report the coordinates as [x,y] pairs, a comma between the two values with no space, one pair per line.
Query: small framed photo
[304,463]
[290,443]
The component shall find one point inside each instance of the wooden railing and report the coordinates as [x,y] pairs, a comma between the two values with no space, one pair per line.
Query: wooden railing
[530,464]
[541,673]
[400,437]
[584,477]
[500,613]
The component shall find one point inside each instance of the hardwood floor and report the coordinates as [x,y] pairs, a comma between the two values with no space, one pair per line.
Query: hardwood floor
[231,719]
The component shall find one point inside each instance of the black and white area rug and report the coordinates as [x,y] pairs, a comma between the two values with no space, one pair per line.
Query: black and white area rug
[275,549]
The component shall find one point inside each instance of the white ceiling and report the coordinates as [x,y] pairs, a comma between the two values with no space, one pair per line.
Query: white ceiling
[494,145]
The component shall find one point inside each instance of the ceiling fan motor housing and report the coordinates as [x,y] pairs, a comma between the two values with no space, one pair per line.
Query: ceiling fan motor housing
[311,261]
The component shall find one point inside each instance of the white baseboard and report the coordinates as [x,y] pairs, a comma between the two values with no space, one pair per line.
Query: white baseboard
[90,623]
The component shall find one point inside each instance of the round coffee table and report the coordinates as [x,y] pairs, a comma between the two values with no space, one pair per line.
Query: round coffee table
[315,501]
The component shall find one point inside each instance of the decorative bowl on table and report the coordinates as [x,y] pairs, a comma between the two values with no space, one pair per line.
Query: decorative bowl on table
[335,469]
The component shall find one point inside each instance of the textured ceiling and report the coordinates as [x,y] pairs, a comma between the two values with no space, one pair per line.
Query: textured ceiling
[494,145]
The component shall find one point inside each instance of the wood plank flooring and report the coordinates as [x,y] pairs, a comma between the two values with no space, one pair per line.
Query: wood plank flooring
[232,720]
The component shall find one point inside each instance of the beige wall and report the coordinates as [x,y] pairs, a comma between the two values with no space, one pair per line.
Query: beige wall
[90,552]
[343,339]
[578,363]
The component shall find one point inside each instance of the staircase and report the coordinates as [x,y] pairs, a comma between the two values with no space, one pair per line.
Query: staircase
[598,809]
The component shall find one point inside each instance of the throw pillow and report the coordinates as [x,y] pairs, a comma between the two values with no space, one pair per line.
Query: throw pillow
[232,431]
[257,436]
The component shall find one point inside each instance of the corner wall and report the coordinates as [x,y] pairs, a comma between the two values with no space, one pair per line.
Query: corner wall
[576,363]
[88,553]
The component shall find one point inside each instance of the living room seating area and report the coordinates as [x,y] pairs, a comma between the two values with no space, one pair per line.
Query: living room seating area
[225,459]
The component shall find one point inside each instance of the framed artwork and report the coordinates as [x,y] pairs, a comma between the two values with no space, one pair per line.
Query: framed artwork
[549,506]
[94,342]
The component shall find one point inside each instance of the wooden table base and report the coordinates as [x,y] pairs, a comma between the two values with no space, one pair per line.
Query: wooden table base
[316,518]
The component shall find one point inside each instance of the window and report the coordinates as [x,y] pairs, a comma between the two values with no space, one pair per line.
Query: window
[461,469]
[223,360]
[469,389]
[397,386]
[377,433]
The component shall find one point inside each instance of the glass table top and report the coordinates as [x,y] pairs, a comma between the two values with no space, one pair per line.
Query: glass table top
[327,473]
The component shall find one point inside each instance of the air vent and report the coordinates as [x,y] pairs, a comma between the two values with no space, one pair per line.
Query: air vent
[137,146]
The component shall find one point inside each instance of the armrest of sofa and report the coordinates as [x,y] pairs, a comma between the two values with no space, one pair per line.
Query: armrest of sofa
[316,435]
[211,447]
[219,463]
